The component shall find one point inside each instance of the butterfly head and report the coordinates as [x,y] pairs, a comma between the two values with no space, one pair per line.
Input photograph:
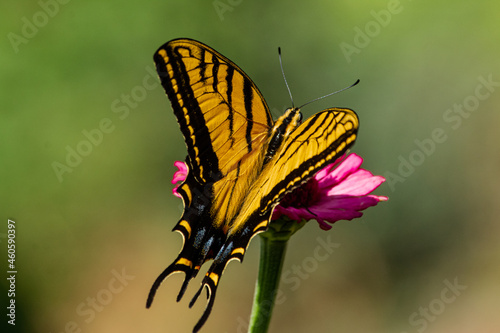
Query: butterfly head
[291,118]
[287,123]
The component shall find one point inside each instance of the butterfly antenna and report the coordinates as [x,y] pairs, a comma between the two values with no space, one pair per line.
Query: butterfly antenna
[333,93]
[284,78]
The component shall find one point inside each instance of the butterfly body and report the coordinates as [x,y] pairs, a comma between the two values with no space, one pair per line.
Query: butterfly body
[240,162]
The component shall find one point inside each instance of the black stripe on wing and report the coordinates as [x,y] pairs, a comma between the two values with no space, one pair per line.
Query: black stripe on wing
[195,121]
[248,95]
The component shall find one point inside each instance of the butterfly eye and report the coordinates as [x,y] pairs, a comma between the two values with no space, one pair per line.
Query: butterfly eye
[300,117]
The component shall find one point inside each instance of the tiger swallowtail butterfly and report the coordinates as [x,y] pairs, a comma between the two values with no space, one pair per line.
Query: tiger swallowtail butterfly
[240,162]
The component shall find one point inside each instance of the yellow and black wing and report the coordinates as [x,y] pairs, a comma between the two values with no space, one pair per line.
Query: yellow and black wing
[240,163]
[226,124]
[221,112]
[319,141]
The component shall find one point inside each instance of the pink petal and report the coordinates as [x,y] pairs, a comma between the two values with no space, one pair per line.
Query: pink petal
[335,215]
[181,174]
[347,166]
[174,192]
[292,213]
[326,170]
[347,202]
[323,225]
[361,182]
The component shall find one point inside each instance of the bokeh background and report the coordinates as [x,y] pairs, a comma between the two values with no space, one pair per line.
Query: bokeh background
[426,260]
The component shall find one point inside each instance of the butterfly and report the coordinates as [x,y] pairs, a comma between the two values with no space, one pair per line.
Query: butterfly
[240,162]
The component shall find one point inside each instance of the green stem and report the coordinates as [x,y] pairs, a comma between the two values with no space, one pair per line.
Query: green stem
[272,254]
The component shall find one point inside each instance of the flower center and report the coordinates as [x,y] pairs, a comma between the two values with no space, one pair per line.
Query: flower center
[303,196]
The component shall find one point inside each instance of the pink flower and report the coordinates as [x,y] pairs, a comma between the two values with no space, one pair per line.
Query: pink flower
[340,191]
[179,176]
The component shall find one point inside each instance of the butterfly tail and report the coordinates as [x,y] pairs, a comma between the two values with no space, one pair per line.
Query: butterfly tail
[210,283]
[234,248]
[211,287]
[179,265]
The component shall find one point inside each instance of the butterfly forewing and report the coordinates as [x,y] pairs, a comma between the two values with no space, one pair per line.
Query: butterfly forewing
[219,109]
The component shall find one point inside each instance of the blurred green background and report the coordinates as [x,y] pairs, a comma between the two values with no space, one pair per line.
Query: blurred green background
[429,123]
